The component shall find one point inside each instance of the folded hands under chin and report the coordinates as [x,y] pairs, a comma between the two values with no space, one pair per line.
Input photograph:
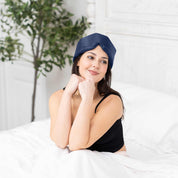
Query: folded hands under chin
[86,88]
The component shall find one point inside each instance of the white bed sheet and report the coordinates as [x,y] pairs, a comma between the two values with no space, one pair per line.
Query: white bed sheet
[27,151]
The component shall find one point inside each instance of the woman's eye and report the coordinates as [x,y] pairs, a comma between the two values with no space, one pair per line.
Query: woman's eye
[104,62]
[90,57]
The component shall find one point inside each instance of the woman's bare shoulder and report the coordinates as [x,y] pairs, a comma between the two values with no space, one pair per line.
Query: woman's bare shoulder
[56,95]
[112,98]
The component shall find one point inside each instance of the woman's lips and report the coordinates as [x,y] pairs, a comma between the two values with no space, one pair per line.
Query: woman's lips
[93,72]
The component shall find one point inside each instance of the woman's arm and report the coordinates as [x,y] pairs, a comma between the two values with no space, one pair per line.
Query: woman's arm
[60,111]
[79,133]
[60,118]
[80,130]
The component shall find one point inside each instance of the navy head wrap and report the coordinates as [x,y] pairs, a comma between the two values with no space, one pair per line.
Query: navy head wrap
[92,41]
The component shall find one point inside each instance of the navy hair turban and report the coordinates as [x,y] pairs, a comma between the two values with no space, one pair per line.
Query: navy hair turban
[92,41]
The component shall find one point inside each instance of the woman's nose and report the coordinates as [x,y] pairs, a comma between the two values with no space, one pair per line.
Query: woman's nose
[95,63]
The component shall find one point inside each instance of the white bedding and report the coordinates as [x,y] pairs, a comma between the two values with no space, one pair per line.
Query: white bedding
[151,138]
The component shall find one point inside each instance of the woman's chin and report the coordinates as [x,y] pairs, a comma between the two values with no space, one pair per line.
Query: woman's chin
[95,78]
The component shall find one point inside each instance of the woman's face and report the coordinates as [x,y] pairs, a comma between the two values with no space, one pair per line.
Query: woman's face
[93,64]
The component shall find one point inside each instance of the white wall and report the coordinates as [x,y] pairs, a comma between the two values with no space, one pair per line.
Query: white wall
[146,37]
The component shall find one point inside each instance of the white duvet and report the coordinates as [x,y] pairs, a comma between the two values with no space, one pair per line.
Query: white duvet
[151,138]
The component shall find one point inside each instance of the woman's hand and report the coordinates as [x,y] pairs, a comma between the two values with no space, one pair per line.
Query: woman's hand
[87,88]
[73,84]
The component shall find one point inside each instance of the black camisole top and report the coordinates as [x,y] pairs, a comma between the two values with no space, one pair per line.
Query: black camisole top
[112,140]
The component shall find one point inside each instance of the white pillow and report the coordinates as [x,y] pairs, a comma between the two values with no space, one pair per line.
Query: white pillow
[151,117]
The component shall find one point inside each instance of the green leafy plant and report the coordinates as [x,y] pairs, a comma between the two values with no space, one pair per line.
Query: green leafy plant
[50,31]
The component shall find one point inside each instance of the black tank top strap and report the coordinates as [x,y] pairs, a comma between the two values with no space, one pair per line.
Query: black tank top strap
[106,95]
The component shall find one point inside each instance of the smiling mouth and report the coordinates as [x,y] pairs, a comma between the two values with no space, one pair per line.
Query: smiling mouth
[93,72]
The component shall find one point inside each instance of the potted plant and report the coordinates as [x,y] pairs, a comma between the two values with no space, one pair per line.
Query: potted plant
[51,31]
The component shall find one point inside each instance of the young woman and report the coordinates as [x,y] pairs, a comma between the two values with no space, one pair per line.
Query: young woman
[87,113]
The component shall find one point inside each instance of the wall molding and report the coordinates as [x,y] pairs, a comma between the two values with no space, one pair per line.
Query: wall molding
[142,29]
[132,20]
[91,15]
[16,94]
[3,109]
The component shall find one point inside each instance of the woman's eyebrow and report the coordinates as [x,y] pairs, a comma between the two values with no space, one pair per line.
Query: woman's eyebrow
[95,55]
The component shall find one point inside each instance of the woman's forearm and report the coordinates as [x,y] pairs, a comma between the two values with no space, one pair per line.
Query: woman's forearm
[80,131]
[61,130]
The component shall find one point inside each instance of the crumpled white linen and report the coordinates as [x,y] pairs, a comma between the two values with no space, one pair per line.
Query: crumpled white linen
[55,162]
[28,152]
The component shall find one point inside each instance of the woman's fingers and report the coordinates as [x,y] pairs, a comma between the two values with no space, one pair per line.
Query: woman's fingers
[87,88]
[73,83]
